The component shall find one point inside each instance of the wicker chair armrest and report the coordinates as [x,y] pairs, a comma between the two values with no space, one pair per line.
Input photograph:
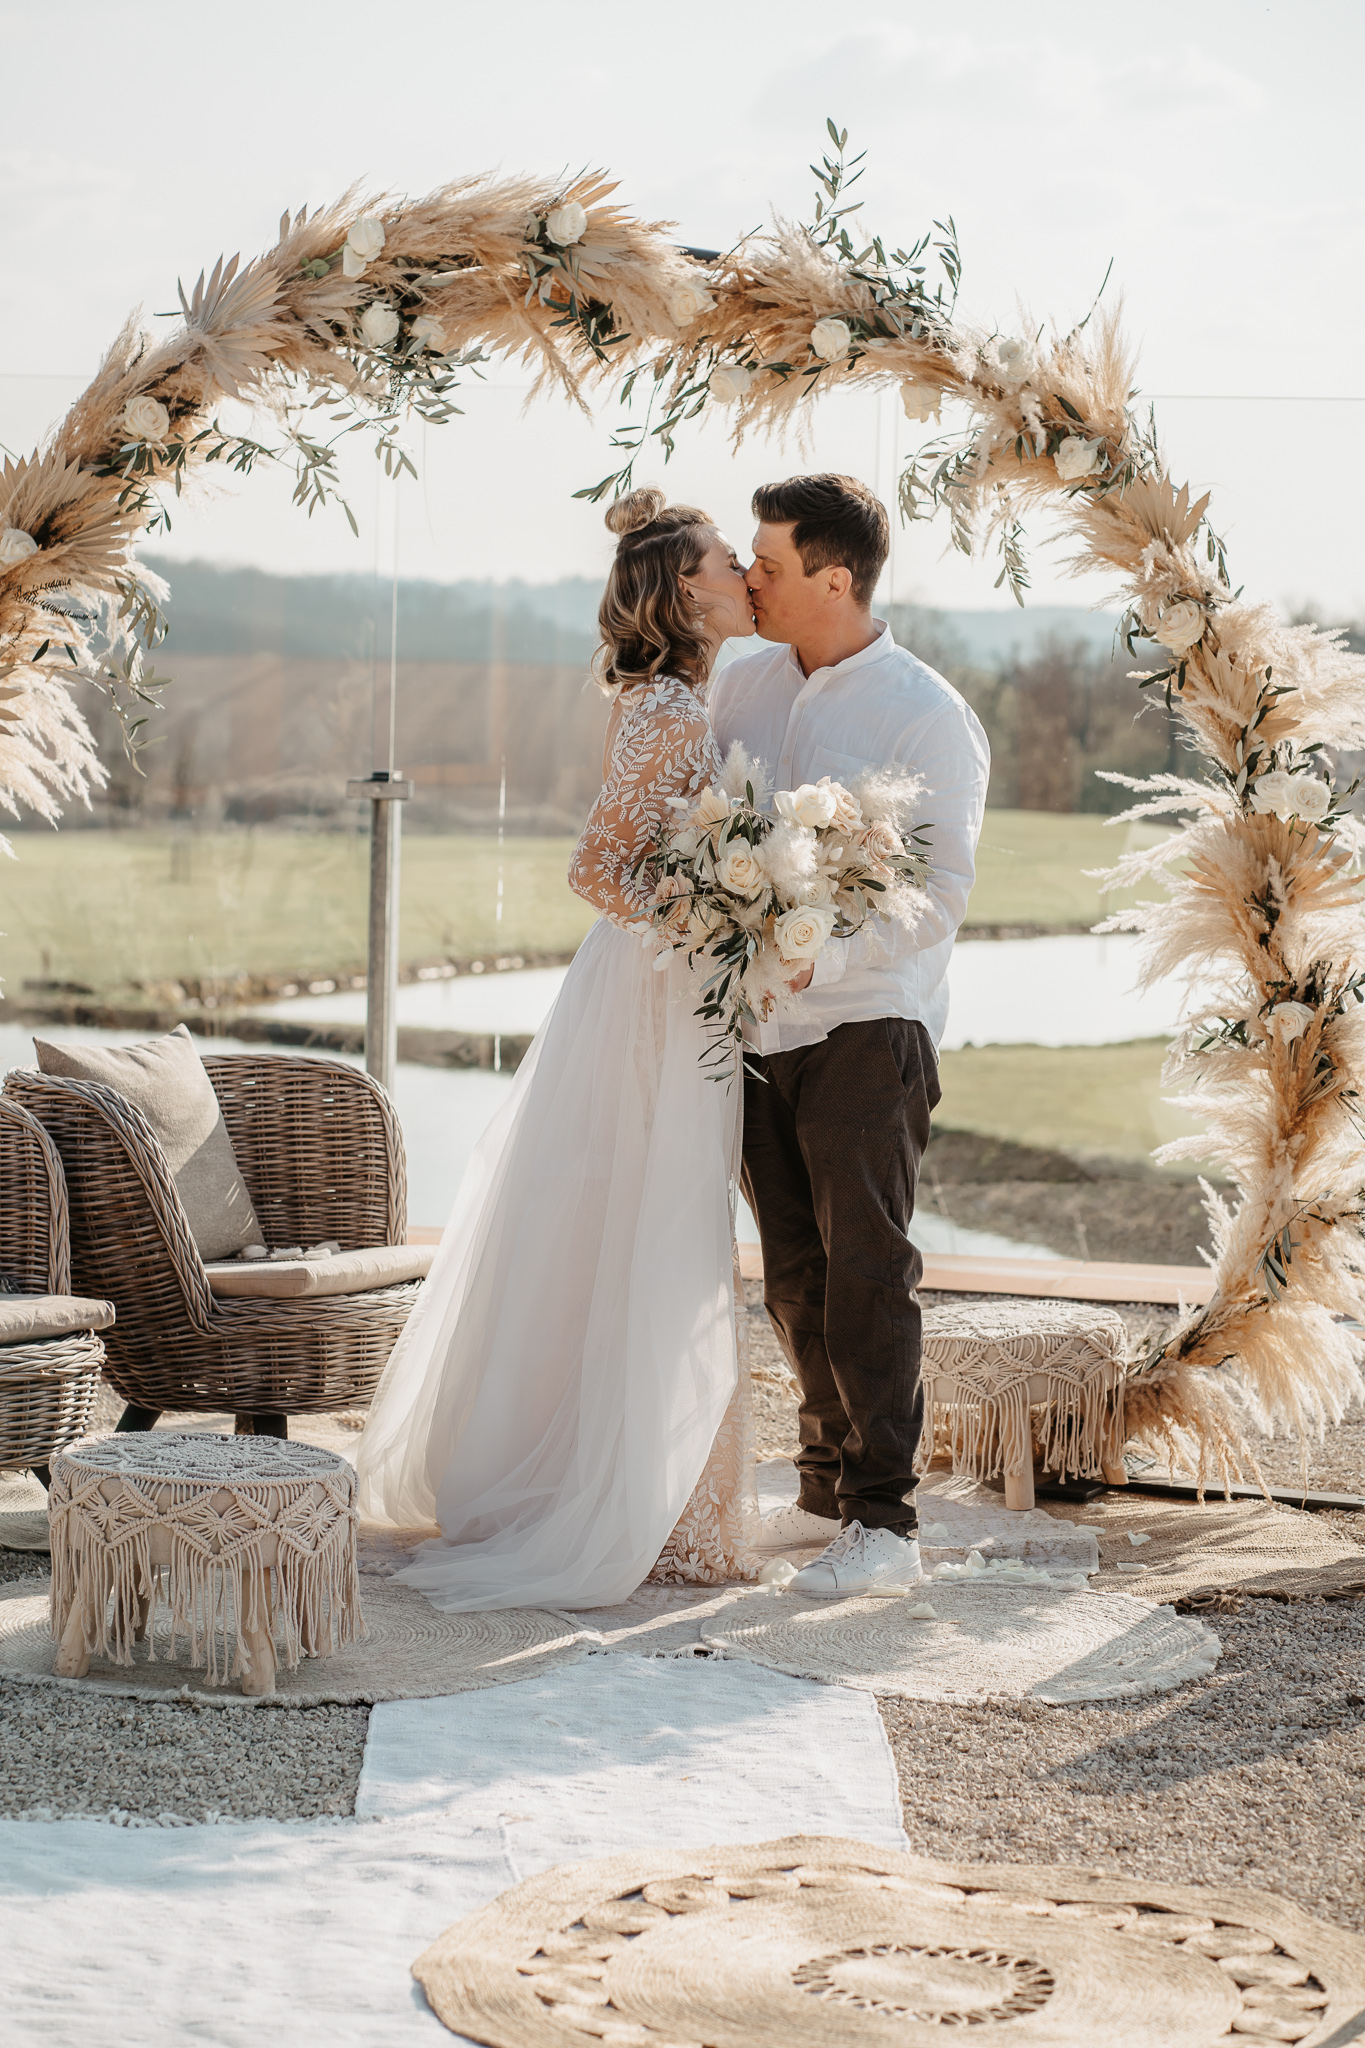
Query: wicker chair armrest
[146,1160]
[35,1232]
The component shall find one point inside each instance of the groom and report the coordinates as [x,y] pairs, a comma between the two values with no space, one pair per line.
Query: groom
[835,1129]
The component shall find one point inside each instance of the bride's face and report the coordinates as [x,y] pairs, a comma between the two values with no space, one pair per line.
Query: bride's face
[717,585]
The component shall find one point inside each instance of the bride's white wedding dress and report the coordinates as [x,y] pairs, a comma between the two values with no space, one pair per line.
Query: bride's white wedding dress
[566,1400]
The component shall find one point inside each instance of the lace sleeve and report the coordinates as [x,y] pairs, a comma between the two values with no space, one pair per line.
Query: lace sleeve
[663,747]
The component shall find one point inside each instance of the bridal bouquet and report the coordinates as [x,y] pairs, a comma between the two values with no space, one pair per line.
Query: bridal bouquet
[753,884]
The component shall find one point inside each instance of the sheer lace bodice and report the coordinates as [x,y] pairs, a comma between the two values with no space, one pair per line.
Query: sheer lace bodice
[662,746]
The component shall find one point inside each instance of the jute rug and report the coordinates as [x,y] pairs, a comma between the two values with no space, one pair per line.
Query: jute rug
[985,1642]
[1194,1551]
[814,1942]
[410,1651]
[23,1529]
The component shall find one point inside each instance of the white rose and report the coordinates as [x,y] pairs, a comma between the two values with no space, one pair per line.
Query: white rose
[730,381]
[1289,1020]
[921,401]
[811,804]
[1015,357]
[379,324]
[687,302]
[848,812]
[829,339]
[146,419]
[1077,458]
[16,546]
[1180,626]
[801,933]
[738,870]
[429,333]
[564,224]
[1291,796]
[362,245]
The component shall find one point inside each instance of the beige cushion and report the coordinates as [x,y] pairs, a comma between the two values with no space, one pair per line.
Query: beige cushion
[166,1079]
[29,1318]
[376,1265]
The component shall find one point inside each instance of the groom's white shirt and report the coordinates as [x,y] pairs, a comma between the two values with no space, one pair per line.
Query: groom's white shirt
[878,709]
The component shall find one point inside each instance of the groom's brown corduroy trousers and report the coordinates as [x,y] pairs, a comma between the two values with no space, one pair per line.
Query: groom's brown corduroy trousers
[833,1137]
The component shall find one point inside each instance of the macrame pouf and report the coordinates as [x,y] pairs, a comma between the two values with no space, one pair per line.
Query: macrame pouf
[814,1942]
[987,1364]
[198,1522]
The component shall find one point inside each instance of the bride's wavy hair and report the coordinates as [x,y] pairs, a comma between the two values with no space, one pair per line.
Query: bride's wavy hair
[648,624]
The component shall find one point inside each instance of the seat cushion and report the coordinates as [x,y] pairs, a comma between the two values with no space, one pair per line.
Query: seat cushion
[30,1318]
[375,1265]
[166,1079]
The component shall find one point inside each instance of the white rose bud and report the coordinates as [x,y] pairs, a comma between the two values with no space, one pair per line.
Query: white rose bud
[1289,1020]
[15,546]
[830,338]
[1015,357]
[1180,626]
[687,302]
[811,804]
[801,933]
[146,419]
[379,324]
[1077,458]
[362,245]
[739,871]
[730,381]
[564,224]
[429,333]
[920,401]
[1291,796]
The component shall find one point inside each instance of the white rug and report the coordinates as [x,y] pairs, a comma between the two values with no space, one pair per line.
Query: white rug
[238,1934]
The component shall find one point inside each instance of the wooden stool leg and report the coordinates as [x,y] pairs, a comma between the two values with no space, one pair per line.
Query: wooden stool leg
[1019,1488]
[1115,1475]
[73,1659]
[258,1680]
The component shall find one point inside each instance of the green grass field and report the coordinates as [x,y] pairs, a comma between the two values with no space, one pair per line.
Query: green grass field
[1104,1099]
[109,909]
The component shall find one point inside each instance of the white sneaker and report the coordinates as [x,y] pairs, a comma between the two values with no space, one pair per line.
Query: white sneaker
[861,1560]
[794,1528]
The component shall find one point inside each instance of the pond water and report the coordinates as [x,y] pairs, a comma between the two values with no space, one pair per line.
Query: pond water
[444,1112]
[1071,990]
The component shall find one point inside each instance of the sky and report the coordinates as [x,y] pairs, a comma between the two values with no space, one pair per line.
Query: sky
[1209,148]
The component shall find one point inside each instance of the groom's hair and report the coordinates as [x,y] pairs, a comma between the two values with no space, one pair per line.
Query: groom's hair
[836,523]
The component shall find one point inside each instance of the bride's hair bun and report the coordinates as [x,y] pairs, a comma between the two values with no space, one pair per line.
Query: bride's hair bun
[636,510]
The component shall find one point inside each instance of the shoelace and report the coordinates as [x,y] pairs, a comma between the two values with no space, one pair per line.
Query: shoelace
[847,1544]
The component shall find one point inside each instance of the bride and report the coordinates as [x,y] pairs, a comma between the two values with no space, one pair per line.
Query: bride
[567,1400]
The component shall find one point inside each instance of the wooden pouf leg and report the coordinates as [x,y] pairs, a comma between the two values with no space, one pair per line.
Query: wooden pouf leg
[73,1659]
[1019,1488]
[258,1644]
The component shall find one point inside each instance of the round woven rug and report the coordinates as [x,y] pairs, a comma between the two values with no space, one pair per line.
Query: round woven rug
[986,1642]
[410,1651]
[818,1943]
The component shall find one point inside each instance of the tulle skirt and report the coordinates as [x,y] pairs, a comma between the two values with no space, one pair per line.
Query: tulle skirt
[556,1394]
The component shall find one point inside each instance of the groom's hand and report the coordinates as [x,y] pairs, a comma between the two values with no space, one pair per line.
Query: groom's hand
[801,980]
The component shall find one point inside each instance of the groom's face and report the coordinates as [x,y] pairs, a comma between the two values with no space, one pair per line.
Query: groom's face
[787,602]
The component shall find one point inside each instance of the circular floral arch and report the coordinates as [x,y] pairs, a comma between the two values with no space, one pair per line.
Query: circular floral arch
[368,310]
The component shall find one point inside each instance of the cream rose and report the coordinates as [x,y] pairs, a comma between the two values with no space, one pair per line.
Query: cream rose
[1077,458]
[362,245]
[15,546]
[1290,1020]
[1291,796]
[739,870]
[379,324]
[729,381]
[881,842]
[1015,357]
[848,812]
[1180,626]
[146,419]
[687,302]
[830,338]
[920,401]
[564,224]
[811,804]
[429,333]
[801,933]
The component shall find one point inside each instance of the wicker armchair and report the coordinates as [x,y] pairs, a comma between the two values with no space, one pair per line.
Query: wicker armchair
[320,1150]
[49,1375]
